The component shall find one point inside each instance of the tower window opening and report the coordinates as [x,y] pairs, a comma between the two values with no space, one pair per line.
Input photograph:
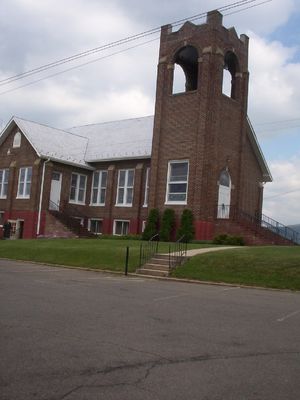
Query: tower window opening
[186,70]
[231,67]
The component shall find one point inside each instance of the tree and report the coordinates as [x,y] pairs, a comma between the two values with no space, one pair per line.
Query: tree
[186,227]
[167,225]
[151,227]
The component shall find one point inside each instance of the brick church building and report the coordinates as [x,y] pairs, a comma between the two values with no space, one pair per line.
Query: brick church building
[199,151]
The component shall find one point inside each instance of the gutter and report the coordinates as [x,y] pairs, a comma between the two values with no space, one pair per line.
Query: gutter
[41,198]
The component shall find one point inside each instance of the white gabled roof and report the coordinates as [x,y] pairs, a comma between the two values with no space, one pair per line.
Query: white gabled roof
[56,144]
[118,140]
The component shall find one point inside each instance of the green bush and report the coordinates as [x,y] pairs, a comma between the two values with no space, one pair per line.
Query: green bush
[186,227]
[229,240]
[151,227]
[167,225]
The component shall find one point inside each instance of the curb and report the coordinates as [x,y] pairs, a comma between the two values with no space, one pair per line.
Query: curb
[160,278]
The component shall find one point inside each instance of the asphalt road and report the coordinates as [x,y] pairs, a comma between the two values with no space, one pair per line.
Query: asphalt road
[70,334]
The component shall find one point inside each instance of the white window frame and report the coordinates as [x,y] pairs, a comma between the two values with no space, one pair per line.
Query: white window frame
[17,140]
[186,182]
[26,182]
[126,188]
[89,225]
[76,201]
[123,222]
[99,188]
[4,183]
[146,193]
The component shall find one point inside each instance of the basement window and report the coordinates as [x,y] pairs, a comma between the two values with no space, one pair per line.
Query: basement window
[95,226]
[185,76]
[121,227]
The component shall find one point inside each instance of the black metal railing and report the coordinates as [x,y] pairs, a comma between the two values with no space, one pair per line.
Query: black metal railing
[259,223]
[148,249]
[177,252]
[71,219]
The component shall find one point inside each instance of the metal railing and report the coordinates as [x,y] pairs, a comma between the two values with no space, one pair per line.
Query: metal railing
[69,219]
[177,252]
[280,229]
[148,249]
[259,223]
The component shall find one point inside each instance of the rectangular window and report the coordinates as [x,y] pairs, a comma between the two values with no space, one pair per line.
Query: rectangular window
[1,218]
[78,188]
[125,187]
[24,186]
[99,188]
[121,227]
[146,195]
[177,183]
[95,225]
[4,173]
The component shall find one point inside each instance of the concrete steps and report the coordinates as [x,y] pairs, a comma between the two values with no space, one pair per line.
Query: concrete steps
[157,266]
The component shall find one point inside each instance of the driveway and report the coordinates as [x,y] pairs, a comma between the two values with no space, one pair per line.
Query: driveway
[67,334]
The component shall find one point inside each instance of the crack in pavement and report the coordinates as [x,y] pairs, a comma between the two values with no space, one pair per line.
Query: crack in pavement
[151,365]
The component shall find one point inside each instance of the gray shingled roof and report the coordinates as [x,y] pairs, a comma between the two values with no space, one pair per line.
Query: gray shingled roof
[130,138]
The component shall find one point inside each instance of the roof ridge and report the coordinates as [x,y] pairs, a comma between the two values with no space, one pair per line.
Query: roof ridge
[48,126]
[110,122]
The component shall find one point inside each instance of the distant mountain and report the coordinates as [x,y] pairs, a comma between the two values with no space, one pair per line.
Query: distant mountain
[295,227]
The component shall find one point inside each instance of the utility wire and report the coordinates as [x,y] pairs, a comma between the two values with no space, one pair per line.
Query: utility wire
[281,194]
[78,66]
[122,41]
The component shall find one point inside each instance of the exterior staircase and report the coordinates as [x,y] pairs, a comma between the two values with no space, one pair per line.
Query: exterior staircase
[261,230]
[158,265]
[60,224]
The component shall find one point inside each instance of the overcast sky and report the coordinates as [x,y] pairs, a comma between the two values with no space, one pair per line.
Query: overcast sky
[38,32]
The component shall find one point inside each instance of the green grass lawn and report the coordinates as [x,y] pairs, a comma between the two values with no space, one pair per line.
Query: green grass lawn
[91,253]
[271,266]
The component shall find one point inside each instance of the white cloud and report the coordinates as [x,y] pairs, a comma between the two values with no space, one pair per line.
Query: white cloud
[282,197]
[274,81]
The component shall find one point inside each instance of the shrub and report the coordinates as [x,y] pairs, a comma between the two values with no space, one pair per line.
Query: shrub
[167,225]
[151,227]
[229,240]
[186,227]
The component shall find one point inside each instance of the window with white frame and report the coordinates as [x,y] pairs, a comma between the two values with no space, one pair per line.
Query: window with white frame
[146,195]
[96,226]
[17,140]
[24,185]
[4,173]
[99,188]
[125,187]
[177,184]
[78,188]
[121,227]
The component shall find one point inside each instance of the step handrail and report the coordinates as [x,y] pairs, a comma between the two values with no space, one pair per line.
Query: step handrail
[177,252]
[259,222]
[148,249]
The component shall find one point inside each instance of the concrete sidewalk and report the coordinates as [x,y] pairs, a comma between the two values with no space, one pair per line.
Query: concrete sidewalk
[195,252]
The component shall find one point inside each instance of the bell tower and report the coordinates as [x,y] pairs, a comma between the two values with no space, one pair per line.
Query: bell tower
[200,133]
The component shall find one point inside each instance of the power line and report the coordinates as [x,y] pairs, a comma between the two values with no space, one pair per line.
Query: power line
[281,194]
[123,41]
[77,66]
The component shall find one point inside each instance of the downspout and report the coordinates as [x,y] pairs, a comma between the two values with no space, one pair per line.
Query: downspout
[41,198]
